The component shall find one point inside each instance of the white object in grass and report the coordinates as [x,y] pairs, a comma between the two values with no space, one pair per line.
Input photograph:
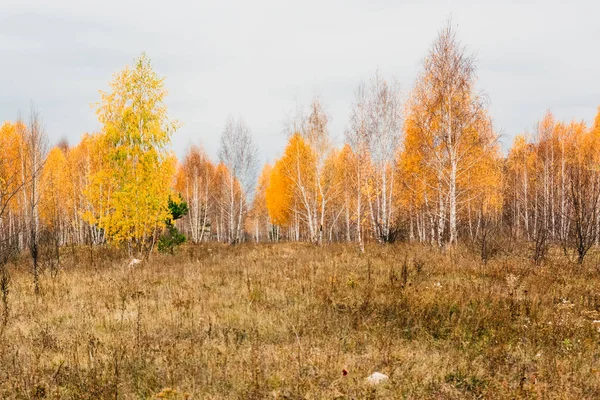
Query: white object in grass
[376,378]
[134,262]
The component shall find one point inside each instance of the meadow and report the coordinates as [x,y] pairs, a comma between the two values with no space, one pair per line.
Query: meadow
[297,321]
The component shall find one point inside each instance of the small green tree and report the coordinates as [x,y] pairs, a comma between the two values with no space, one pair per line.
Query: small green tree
[172,238]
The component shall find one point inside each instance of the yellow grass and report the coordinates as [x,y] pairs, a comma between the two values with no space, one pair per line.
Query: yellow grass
[284,321]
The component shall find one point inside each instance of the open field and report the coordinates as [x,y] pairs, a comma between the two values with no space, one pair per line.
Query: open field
[284,321]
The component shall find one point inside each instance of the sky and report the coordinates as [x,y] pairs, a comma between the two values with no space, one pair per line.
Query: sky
[261,59]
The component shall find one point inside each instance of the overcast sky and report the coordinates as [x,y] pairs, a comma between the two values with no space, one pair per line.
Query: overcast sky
[259,59]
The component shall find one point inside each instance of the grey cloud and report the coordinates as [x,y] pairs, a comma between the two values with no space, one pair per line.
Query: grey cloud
[258,59]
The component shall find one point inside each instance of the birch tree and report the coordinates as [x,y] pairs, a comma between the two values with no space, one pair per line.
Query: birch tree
[133,184]
[239,154]
[293,191]
[451,118]
[385,133]
[12,189]
[357,136]
[195,182]
[34,157]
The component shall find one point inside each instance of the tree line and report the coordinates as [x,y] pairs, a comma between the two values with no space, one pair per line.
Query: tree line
[425,166]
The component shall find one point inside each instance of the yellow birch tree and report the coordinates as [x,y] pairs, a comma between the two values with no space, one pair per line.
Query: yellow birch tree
[137,170]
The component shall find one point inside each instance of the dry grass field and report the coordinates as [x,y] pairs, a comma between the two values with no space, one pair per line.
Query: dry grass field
[284,321]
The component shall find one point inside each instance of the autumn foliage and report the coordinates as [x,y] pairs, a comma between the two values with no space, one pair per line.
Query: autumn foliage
[421,165]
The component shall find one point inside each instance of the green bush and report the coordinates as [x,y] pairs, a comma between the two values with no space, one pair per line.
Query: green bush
[172,238]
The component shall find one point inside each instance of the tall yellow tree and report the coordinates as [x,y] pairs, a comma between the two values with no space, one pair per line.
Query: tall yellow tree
[583,188]
[84,162]
[596,127]
[520,184]
[12,187]
[259,214]
[194,178]
[134,182]
[416,184]
[342,165]
[279,196]
[294,188]
[450,119]
[55,195]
